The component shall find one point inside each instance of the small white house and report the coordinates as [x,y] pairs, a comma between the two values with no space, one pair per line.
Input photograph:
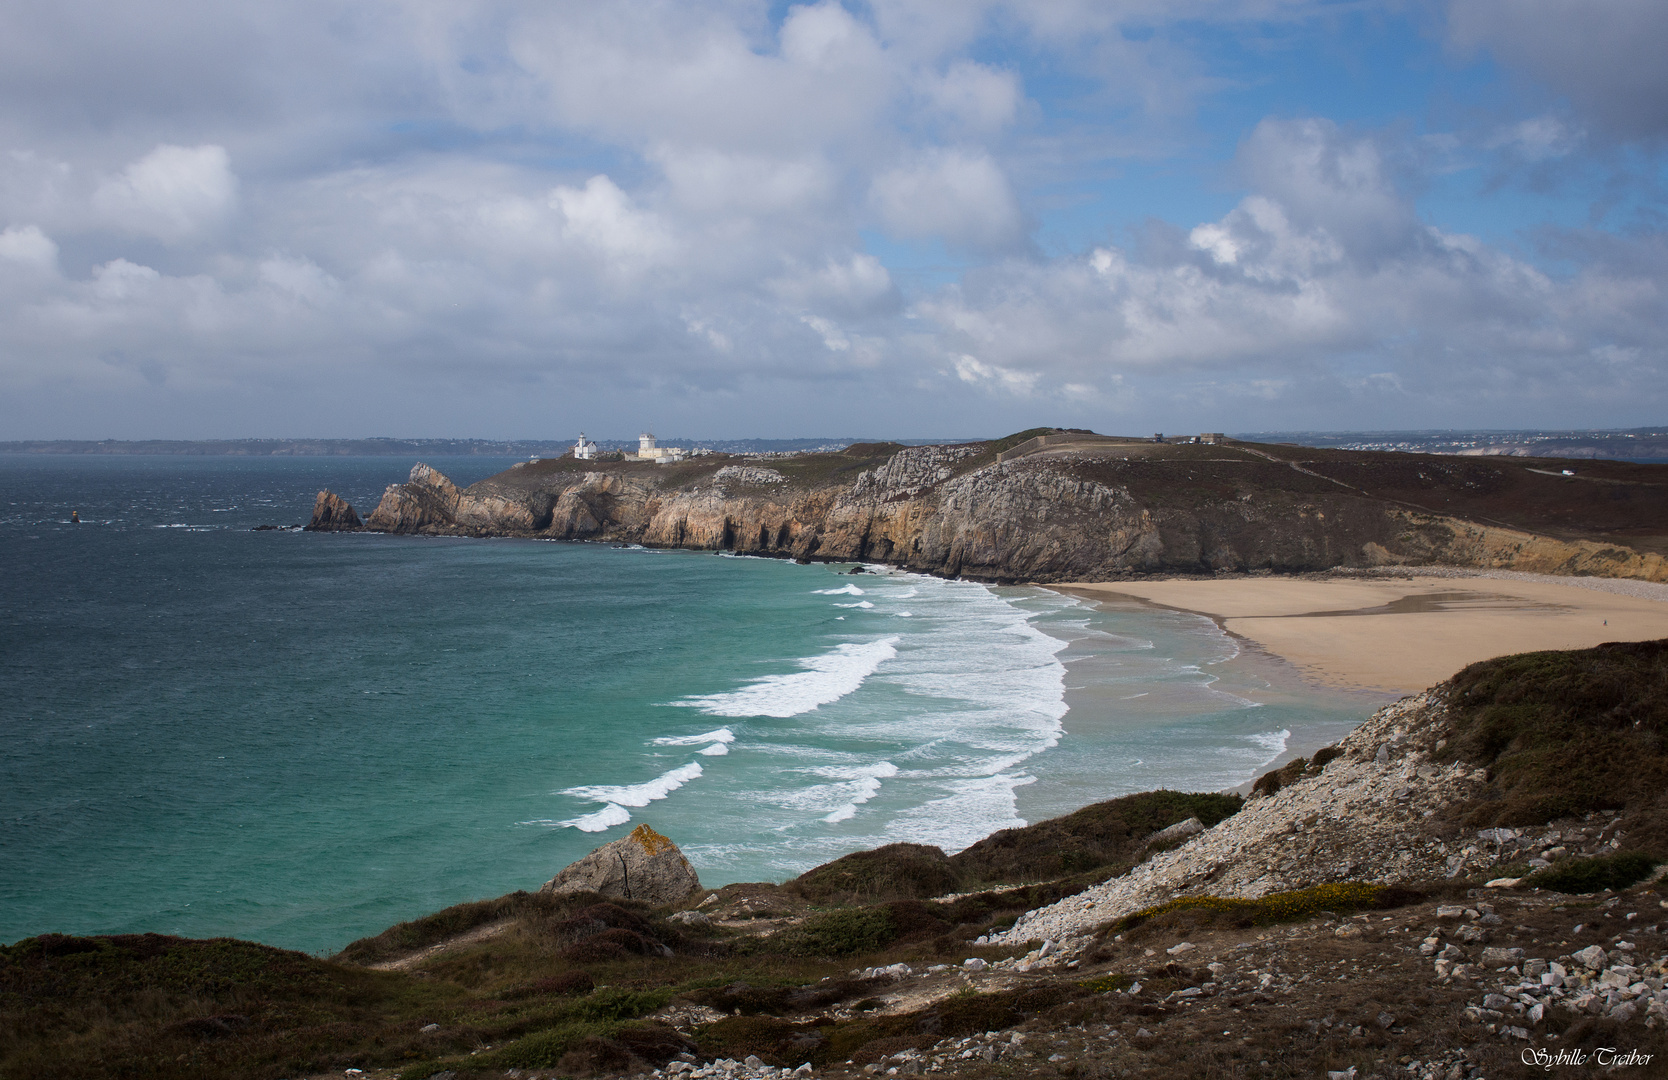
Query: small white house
[584,449]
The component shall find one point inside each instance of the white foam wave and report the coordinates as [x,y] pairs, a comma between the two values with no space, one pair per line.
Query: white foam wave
[606,818]
[1272,741]
[844,590]
[905,614]
[715,750]
[722,735]
[859,604]
[826,678]
[640,794]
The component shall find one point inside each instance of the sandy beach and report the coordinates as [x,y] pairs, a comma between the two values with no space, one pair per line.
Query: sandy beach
[1401,634]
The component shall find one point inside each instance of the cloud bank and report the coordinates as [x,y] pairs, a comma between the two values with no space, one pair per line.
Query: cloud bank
[518,219]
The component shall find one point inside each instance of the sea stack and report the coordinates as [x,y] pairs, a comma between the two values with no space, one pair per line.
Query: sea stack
[643,866]
[332,513]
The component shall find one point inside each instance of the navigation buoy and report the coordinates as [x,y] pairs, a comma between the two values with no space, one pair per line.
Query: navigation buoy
[75,517]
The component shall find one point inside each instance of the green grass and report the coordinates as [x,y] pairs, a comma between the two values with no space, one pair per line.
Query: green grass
[1564,734]
[1330,898]
[1612,872]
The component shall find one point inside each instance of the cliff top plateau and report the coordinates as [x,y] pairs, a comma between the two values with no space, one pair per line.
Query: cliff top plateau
[1049,505]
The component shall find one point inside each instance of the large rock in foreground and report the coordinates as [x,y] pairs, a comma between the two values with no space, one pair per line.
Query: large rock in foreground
[644,866]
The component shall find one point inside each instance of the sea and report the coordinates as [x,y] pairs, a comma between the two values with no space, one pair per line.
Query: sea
[299,738]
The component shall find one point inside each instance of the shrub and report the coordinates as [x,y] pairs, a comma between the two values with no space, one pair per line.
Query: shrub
[1566,733]
[893,872]
[1103,835]
[1276,907]
[1597,874]
[839,933]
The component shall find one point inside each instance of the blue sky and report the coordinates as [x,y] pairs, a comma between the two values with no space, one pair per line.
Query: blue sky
[508,218]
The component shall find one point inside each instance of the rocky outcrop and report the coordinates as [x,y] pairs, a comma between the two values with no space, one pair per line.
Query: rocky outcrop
[1097,511]
[643,866]
[332,513]
[427,501]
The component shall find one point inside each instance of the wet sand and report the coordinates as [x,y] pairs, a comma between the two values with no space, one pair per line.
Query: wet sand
[1402,634]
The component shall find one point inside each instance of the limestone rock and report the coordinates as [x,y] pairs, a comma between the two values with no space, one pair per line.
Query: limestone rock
[643,866]
[1181,830]
[332,513]
[427,501]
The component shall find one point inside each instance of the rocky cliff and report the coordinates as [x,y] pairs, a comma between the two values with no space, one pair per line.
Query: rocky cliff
[1078,507]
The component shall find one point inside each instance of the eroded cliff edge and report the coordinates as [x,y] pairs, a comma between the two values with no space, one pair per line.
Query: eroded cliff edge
[1047,506]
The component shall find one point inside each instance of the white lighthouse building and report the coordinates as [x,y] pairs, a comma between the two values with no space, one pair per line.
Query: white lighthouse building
[584,449]
[649,450]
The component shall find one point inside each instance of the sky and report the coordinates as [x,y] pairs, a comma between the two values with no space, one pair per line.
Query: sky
[893,218]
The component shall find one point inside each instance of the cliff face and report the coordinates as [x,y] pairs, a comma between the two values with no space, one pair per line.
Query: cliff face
[1076,508]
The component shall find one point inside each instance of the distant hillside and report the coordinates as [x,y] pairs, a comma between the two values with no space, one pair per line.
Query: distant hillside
[1633,444]
[1052,505]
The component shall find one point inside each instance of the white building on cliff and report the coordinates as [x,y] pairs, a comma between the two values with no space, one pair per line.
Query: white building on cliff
[649,450]
[584,449]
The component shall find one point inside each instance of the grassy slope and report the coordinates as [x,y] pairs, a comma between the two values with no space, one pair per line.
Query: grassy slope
[566,981]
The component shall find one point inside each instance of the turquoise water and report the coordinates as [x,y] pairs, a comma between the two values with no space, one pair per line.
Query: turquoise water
[303,738]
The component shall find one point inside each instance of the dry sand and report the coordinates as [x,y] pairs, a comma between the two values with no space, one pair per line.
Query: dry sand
[1403,634]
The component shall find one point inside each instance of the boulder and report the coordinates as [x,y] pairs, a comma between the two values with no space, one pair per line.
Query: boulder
[332,513]
[1181,830]
[643,866]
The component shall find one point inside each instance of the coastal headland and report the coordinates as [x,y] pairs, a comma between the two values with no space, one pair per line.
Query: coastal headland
[1053,506]
[1466,878]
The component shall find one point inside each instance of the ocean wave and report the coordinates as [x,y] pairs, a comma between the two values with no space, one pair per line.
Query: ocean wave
[861,790]
[844,590]
[859,604]
[1272,741]
[826,679]
[609,816]
[639,794]
[722,735]
[715,750]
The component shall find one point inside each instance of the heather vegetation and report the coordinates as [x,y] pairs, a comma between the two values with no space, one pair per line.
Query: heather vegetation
[1563,734]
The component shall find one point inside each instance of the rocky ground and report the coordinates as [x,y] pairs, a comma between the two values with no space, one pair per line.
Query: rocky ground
[1434,991]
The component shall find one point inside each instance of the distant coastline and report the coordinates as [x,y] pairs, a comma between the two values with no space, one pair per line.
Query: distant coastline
[1642,445]
[383,447]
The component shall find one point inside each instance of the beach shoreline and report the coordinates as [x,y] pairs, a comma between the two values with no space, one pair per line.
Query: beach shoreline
[1399,633]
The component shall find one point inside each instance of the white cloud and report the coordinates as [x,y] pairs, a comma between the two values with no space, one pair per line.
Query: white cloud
[972,370]
[1539,138]
[27,246]
[973,96]
[957,195]
[174,193]
[675,198]
[601,217]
